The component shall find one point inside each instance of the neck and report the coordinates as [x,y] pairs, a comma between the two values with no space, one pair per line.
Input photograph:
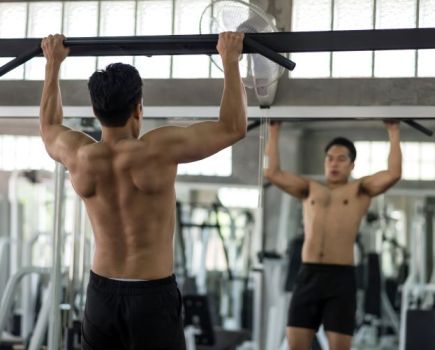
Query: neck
[332,184]
[115,134]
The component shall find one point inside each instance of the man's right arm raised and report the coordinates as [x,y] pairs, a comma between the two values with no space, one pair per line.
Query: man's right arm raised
[292,184]
[201,140]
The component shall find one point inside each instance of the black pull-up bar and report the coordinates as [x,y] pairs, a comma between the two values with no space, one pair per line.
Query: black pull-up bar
[418,127]
[267,44]
[137,45]
[410,122]
[344,40]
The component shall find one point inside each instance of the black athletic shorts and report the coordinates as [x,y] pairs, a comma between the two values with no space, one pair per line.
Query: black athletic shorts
[132,315]
[324,294]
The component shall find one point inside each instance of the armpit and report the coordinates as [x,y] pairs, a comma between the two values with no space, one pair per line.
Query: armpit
[361,189]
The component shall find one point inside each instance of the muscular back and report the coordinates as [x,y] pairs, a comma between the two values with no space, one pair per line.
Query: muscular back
[128,190]
[331,222]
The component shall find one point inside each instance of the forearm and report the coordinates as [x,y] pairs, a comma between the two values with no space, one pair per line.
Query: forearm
[395,156]
[233,109]
[272,153]
[51,112]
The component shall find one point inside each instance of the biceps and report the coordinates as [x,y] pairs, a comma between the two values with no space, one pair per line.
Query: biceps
[292,184]
[63,143]
[378,183]
[51,137]
[51,133]
[200,141]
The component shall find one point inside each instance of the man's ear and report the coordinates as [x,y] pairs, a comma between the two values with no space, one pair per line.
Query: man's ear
[138,111]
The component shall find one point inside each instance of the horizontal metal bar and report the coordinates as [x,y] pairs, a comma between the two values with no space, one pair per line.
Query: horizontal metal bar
[407,114]
[419,127]
[89,44]
[290,113]
[19,61]
[352,40]
[266,52]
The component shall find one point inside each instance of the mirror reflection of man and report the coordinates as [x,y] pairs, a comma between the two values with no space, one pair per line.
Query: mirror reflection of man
[325,289]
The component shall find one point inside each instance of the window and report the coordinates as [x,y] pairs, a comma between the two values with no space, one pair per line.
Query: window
[233,197]
[352,15]
[117,18]
[219,164]
[13,18]
[23,153]
[426,58]
[154,17]
[187,16]
[390,15]
[418,159]
[166,17]
[311,65]
[310,15]
[43,18]
[107,18]
[87,11]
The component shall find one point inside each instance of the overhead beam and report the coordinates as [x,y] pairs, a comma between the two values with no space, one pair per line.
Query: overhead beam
[290,113]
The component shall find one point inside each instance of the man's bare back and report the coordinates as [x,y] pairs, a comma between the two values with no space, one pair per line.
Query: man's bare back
[331,220]
[129,194]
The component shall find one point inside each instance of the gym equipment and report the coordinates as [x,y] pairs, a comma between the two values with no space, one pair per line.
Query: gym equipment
[4,257]
[54,330]
[10,291]
[417,312]
[197,314]
[378,320]
[215,301]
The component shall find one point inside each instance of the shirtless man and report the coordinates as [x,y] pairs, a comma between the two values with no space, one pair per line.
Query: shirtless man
[127,184]
[325,290]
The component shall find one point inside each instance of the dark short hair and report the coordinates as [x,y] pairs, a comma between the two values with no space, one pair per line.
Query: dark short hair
[115,93]
[342,141]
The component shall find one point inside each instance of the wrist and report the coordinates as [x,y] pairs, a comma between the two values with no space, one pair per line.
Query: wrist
[273,130]
[229,63]
[52,65]
[393,134]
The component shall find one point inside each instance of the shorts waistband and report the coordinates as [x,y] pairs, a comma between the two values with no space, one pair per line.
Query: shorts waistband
[129,287]
[328,267]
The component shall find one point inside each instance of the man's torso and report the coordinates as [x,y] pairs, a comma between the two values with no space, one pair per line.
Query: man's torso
[331,221]
[128,190]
